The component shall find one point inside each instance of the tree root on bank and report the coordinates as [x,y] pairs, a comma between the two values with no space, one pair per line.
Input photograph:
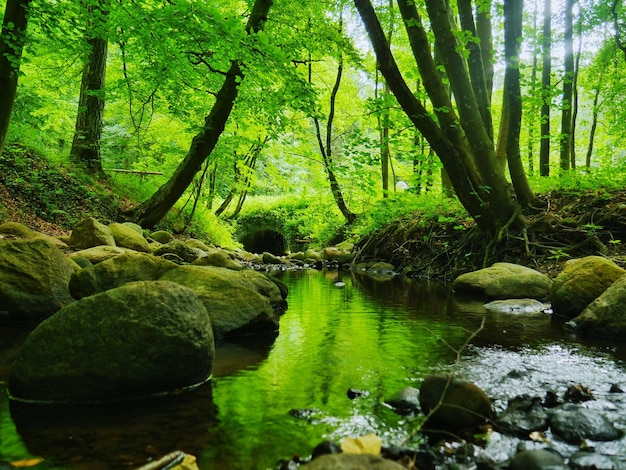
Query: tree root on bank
[576,225]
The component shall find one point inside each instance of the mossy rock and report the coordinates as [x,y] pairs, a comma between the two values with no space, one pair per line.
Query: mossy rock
[34,278]
[128,237]
[580,282]
[144,338]
[89,233]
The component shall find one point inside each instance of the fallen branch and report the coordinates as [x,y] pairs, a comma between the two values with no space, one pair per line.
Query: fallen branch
[137,172]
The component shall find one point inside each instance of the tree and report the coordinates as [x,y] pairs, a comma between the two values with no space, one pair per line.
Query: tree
[150,212]
[466,150]
[86,143]
[513,11]
[568,80]
[546,89]
[12,41]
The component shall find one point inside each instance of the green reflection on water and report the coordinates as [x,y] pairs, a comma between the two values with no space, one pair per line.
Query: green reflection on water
[331,339]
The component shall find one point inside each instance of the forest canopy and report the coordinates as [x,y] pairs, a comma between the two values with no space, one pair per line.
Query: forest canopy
[346,106]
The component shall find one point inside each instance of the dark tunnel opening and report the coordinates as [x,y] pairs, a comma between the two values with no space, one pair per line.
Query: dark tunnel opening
[265,241]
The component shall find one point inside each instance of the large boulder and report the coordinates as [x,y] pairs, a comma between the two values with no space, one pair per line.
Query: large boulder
[179,252]
[144,338]
[34,279]
[233,299]
[116,272]
[505,281]
[605,316]
[128,237]
[452,404]
[14,230]
[89,233]
[580,282]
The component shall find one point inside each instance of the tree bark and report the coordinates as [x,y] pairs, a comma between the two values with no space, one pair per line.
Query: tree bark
[476,67]
[88,131]
[480,201]
[513,11]
[485,35]
[12,39]
[546,89]
[154,209]
[566,113]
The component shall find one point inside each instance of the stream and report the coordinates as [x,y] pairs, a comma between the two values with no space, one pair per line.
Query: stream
[271,399]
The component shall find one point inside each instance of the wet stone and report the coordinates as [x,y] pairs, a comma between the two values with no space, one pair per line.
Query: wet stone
[587,460]
[523,415]
[405,402]
[573,424]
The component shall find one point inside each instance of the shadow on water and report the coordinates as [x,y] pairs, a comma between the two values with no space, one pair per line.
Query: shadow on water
[270,400]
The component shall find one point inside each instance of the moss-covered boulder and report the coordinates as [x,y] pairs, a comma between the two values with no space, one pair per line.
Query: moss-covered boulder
[143,338]
[89,233]
[13,230]
[34,279]
[237,301]
[128,237]
[116,272]
[98,254]
[162,236]
[580,282]
[464,404]
[179,252]
[504,281]
[606,315]
[219,258]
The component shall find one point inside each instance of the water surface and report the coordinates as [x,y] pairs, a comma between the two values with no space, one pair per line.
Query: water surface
[374,336]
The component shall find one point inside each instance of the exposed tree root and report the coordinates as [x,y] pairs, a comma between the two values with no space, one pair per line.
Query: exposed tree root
[575,225]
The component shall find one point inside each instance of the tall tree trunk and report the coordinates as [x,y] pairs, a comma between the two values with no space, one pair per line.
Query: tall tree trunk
[575,92]
[154,209]
[12,39]
[485,35]
[594,118]
[513,11]
[566,113]
[88,131]
[546,89]
[491,204]
[476,67]
[619,26]
[326,149]
[530,123]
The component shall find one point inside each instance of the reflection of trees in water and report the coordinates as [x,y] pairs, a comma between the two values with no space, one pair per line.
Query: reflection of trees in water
[121,435]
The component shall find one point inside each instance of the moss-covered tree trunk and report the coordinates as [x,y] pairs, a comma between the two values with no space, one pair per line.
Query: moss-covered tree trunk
[87,134]
[154,209]
[11,44]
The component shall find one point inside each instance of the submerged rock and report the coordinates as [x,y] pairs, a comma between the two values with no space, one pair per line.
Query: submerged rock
[464,404]
[580,282]
[34,279]
[505,281]
[523,415]
[517,306]
[352,462]
[574,423]
[405,402]
[140,339]
[537,459]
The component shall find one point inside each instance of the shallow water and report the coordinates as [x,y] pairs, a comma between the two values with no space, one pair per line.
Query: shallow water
[374,336]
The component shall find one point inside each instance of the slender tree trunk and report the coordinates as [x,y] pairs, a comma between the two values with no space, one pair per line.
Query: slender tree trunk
[513,11]
[530,123]
[594,118]
[12,39]
[546,89]
[476,67]
[88,131]
[485,35]
[566,113]
[503,131]
[619,26]
[326,149]
[153,210]
[491,205]
[575,92]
